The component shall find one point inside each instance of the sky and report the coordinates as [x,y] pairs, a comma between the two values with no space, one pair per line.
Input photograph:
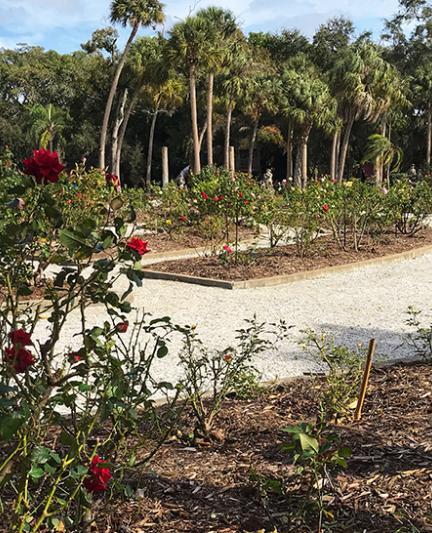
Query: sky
[63,25]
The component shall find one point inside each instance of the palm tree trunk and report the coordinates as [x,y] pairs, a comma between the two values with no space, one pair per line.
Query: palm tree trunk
[297,169]
[429,137]
[210,120]
[202,134]
[116,129]
[150,148]
[194,118]
[252,145]
[334,155]
[111,96]
[289,152]
[388,170]
[379,162]
[344,148]
[122,133]
[228,136]
[303,150]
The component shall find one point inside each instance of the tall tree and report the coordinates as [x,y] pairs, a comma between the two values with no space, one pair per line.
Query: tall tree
[190,43]
[48,124]
[222,30]
[306,102]
[360,81]
[135,13]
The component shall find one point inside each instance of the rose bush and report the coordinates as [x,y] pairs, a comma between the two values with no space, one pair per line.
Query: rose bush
[92,393]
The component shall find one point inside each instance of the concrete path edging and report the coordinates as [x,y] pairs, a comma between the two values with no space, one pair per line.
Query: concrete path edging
[285,278]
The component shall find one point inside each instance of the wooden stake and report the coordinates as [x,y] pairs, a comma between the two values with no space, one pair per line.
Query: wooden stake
[365,382]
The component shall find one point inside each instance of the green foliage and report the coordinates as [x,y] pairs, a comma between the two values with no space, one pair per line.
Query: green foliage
[409,206]
[344,370]
[226,371]
[420,338]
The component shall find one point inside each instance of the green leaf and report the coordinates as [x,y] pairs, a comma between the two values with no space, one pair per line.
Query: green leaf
[162,351]
[9,425]
[74,243]
[308,443]
[36,472]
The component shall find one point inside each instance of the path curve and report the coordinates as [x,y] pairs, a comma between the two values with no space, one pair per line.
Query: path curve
[354,306]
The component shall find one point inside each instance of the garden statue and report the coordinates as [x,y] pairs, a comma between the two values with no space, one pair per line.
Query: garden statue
[183,177]
[267,182]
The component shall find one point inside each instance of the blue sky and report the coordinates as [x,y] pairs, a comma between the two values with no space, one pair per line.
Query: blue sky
[64,24]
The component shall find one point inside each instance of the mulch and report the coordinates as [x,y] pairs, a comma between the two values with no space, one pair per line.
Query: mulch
[178,240]
[212,486]
[262,263]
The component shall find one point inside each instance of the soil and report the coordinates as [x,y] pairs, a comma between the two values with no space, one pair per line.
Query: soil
[212,486]
[262,263]
[164,242]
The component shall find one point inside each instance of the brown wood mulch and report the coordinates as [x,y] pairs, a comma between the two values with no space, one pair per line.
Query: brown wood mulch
[262,263]
[212,486]
[170,242]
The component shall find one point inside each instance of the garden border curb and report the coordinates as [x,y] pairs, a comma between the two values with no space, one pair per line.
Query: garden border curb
[285,278]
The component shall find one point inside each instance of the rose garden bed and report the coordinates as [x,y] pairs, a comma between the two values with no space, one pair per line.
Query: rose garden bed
[284,260]
[224,484]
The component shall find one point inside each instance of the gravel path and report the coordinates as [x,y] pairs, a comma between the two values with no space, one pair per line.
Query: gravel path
[354,306]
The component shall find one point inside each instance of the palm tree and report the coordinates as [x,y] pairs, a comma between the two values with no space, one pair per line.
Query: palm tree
[146,63]
[423,91]
[306,102]
[232,87]
[384,152]
[191,46]
[48,124]
[362,84]
[135,13]
[222,29]
[163,98]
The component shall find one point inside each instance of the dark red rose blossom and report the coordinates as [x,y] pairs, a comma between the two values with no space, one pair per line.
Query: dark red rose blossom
[44,166]
[21,337]
[228,358]
[246,202]
[20,358]
[122,327]
[326,208]
[138,245]
[183,218]
[228,249]
[74,357]
[204,195]
[99,475]
[113,180]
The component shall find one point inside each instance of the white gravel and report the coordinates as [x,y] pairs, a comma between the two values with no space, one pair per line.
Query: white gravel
[354,306]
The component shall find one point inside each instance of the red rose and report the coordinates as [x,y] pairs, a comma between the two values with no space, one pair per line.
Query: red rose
[21,337]
[246,202]
[326,208]
[99,475]
[20,358]
[240,194]
[122,327]
[204,195]
[228,358]
[138,245]
[228,249]
[113,180]
[183,218]
[74,357]
[44,166]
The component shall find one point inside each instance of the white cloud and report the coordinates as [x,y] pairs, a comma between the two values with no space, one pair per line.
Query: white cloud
[41,21]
